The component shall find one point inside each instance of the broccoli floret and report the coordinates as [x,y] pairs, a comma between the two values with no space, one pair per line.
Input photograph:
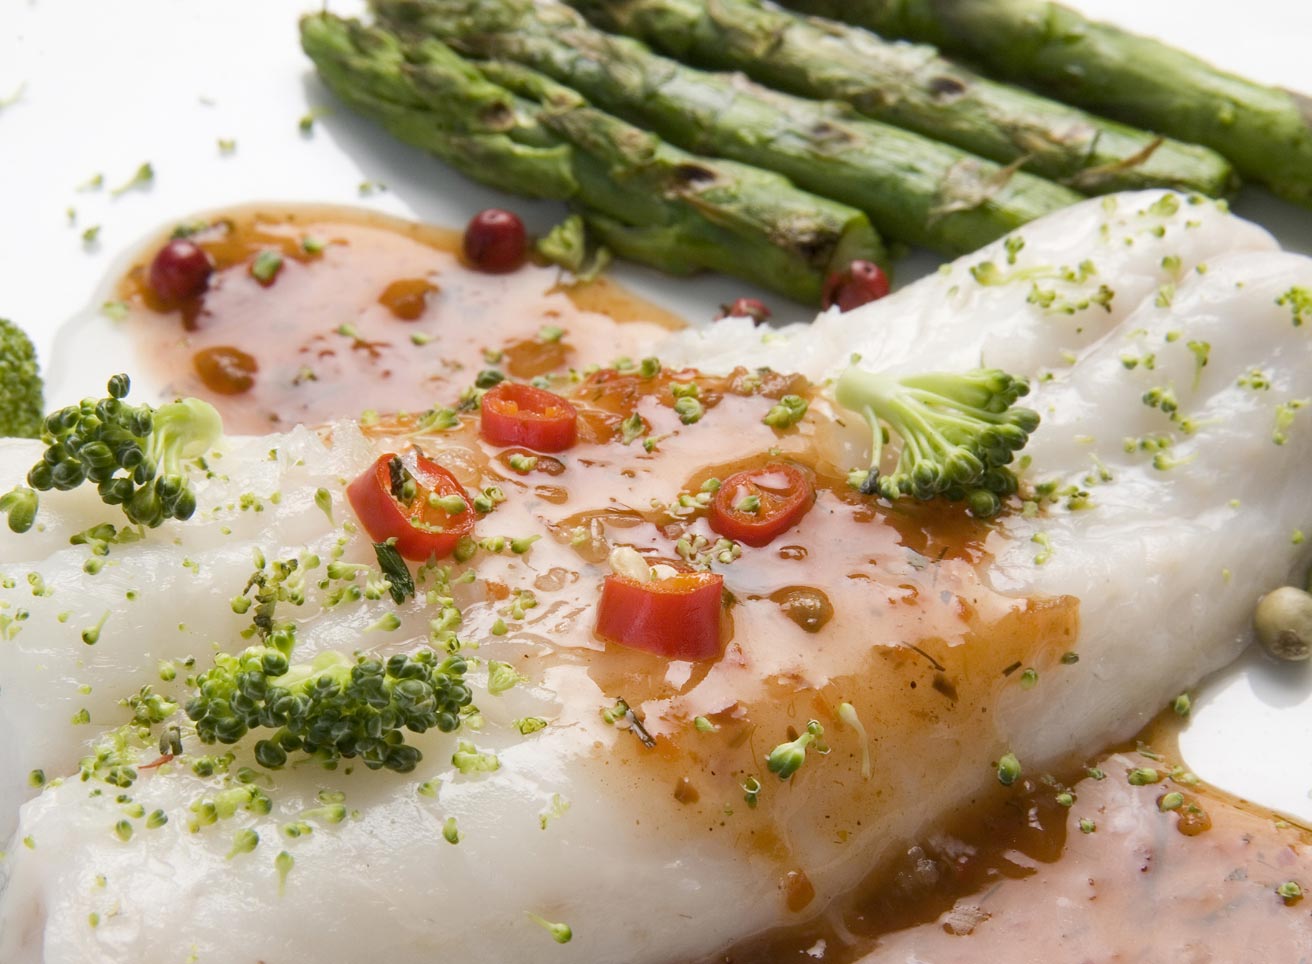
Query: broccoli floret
[959,433]
[22,395]
[137,455]
[332,707]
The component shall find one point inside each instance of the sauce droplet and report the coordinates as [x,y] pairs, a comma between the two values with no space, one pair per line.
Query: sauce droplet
[1193,820]
[685,792]
[407,298]
[226,370]
[798,890]
[531,357]
[809,608]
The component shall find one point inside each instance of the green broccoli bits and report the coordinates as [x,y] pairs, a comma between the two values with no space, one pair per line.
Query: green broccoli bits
[22,394]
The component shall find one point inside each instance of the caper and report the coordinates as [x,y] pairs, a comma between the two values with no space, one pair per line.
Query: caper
[809,608]
[1283,620]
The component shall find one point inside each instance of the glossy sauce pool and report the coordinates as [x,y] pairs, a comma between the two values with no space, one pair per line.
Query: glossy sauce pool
[1095,869]
[377,314]
[373,314]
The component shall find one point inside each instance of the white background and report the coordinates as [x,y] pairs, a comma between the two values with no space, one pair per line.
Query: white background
[108,85]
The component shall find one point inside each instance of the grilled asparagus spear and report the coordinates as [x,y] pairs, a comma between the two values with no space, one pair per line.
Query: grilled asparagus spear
[914,189]
[911,86]
[1266,132]
[646,200]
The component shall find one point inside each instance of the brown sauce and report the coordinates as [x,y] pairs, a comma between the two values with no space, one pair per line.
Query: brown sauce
[385,317]
[377,314]
[1091,868]
[911,636]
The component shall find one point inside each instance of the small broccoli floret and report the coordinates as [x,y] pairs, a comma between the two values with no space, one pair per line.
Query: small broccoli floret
[138,456]
[22,395]
[332,707]
[959,433]
[19,505]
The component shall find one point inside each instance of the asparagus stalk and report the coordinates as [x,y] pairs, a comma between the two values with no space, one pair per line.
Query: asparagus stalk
[914,189]
[1265,131]
[645,199]
[913,87]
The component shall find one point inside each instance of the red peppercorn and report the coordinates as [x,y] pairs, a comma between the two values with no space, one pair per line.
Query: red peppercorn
[861,282]
[745,308]
[495,241]
[180,270]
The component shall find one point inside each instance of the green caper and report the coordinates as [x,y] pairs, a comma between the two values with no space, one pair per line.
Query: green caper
[1283,620]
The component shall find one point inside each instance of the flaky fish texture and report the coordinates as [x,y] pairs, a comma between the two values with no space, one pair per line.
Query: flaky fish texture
[1145,540]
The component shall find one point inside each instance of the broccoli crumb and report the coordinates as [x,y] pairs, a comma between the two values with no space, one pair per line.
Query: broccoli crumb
[450,831]
[1299,302]
[283,864]
[787,758]
[142,178]
[560,933]
[1009,770]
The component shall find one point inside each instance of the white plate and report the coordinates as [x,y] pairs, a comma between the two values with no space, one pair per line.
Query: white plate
[107,86]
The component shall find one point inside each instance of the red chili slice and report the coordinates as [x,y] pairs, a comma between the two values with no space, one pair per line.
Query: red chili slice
[518,414]
[755,506]
[420,528]
[677,617]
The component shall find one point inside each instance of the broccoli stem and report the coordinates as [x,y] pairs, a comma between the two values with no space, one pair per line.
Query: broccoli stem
[184,429]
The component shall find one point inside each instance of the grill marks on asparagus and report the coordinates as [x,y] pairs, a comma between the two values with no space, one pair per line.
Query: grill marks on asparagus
[525,131]
[517,130]
[911,86]
[1264,131]
[911,187]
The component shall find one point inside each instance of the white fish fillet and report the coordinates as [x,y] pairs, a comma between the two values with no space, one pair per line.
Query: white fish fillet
[579,824]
